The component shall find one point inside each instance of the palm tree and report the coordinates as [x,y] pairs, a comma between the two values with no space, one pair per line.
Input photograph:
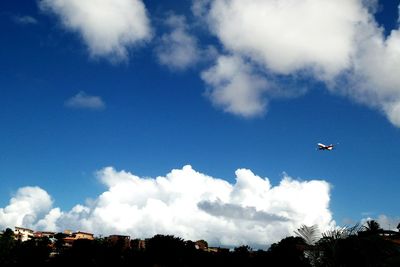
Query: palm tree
[372,227]
[332,245]
[310,234]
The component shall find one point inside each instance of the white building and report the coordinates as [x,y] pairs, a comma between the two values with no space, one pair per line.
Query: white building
[23,234]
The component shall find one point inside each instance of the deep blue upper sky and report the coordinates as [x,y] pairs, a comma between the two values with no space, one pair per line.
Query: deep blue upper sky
[156,120]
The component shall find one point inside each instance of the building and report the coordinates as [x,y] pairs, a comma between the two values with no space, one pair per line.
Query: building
[391,236]
[68,232]
[201,245]
[23,234]
[138,244]
[217,250]
[40,234]
[83,235]
[72,237]
[119,240]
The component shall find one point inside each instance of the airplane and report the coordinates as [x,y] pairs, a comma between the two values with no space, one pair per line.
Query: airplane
[325,147]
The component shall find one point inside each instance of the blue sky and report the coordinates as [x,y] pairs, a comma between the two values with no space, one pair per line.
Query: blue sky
[148,116]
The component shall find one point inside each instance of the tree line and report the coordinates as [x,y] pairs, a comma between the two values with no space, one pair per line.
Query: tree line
[367,245]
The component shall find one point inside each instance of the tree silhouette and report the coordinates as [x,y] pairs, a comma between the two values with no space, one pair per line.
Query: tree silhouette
[372,227]
[166,249]
[340,247]
[242,250]
[355,246]
[34,251]
[289,252]
[59,243]
[7,248]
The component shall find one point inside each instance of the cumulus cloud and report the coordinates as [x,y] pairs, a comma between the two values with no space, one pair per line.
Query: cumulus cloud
[375,78]
[334,41]
[380,73]
[108,27]
[290,38]
[191,205]
[25,207]
[287,36]
[84,101]
[24,20]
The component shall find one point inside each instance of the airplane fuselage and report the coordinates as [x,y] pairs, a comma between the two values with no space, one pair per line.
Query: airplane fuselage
[324,147]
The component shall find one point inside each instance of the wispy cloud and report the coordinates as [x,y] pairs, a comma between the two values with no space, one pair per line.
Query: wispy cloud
[398,19]
[386,222]
[236,87]
[24,20]
[85,101]
[109,28]
[185,203]
[178,49]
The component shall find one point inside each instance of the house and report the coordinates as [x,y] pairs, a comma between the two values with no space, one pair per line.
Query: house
[120,240]
[69,241]
[23,234]
[40,234]
[142,244]
[67,232]
[72,237]
[392,236]
[138,244]
[217,250]
[83,235]
[201,245]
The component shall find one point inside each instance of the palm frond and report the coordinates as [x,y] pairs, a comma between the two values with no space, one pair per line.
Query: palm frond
[310,234]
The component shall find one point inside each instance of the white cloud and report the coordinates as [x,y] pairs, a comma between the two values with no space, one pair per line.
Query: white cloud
[288,36]
[234,86]
[178,49]
[108,27]
[192,205]
[49,222]
[84,101]
[385,222]
[372,5]
[200,7]
[327,40]
[398,19]
[25,207]
[25,20]
[267,38]
[382,74]
[375,79]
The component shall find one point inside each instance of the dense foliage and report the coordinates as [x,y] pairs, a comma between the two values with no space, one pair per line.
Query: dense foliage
[361,247]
